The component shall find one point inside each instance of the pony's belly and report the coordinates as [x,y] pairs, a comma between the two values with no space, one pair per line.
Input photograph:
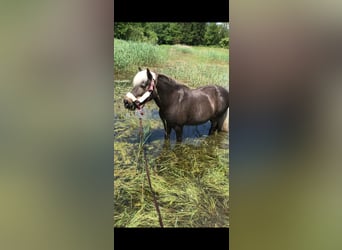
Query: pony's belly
[193,121]
[196,121]
[195,118]
[191,118]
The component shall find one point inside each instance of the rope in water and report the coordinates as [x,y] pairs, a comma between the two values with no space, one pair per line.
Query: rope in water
[148,176]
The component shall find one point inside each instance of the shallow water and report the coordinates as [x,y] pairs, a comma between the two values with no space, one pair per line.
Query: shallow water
[194,161]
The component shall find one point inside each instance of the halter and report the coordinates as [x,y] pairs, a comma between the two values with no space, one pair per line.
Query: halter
[142,98]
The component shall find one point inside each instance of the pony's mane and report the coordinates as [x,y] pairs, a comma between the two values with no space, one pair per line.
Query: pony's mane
[170,81]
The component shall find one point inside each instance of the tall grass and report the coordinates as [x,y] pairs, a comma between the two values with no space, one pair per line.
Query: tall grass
[128,55]
[216,55]
[197,66]
[183,49]
[194,66]
[195,75]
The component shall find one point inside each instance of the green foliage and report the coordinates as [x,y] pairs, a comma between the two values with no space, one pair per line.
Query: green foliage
[224,43]
[135,32]
[194,33]
[214,34]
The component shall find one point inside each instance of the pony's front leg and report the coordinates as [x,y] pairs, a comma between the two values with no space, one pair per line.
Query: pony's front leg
[167,130]
[167,127]
[179,133]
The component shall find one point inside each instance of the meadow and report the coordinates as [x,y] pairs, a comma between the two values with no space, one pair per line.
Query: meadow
[191,180]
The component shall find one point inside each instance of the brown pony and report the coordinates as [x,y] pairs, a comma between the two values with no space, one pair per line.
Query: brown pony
[178,104]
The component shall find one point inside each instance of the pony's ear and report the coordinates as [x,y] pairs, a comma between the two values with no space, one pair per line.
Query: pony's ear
[149,75]
[139,69]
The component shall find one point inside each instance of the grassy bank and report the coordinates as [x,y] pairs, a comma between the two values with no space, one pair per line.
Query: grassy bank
[193,66]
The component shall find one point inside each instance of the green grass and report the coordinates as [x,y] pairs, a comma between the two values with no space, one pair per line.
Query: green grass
[191,180]
[215,55]
[199,66]
[183,49]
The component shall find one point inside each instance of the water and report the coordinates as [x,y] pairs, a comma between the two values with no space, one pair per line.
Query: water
[191,178]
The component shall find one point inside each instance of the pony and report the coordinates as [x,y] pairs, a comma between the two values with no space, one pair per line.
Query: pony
[178,104]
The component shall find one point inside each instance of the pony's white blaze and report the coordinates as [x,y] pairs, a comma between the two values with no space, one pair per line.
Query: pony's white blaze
[131,96]
[140,99]
[141,77]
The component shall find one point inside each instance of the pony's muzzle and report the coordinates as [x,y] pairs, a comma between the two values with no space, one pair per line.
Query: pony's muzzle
[129,104]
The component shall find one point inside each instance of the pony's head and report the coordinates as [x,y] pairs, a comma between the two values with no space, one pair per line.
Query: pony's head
[143,86]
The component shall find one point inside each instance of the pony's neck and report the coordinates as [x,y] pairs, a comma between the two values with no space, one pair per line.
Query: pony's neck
[166,88]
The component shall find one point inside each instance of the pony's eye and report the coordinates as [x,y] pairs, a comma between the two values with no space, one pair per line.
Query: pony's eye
[144,85]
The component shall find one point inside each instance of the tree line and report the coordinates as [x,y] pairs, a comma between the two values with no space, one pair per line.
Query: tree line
[188,33]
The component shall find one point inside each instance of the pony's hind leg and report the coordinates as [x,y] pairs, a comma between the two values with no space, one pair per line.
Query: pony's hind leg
[167,131]
[213,127]
[223,122]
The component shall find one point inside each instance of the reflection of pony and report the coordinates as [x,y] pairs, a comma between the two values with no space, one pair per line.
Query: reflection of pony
[178,104]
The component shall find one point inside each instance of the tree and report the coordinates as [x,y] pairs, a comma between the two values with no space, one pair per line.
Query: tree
[162,32]
[210,34]
[192,33]
[198,32]
[134,32]
[224,43]
[121,30]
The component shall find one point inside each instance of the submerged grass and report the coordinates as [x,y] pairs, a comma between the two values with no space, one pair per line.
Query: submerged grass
[192,189]
[191,180]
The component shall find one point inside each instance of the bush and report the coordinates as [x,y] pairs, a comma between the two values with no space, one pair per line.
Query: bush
[224,43]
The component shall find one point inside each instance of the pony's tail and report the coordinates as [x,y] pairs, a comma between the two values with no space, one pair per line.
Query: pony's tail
[224,122]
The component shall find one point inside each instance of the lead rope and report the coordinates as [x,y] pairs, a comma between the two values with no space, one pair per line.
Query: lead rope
[148,174]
